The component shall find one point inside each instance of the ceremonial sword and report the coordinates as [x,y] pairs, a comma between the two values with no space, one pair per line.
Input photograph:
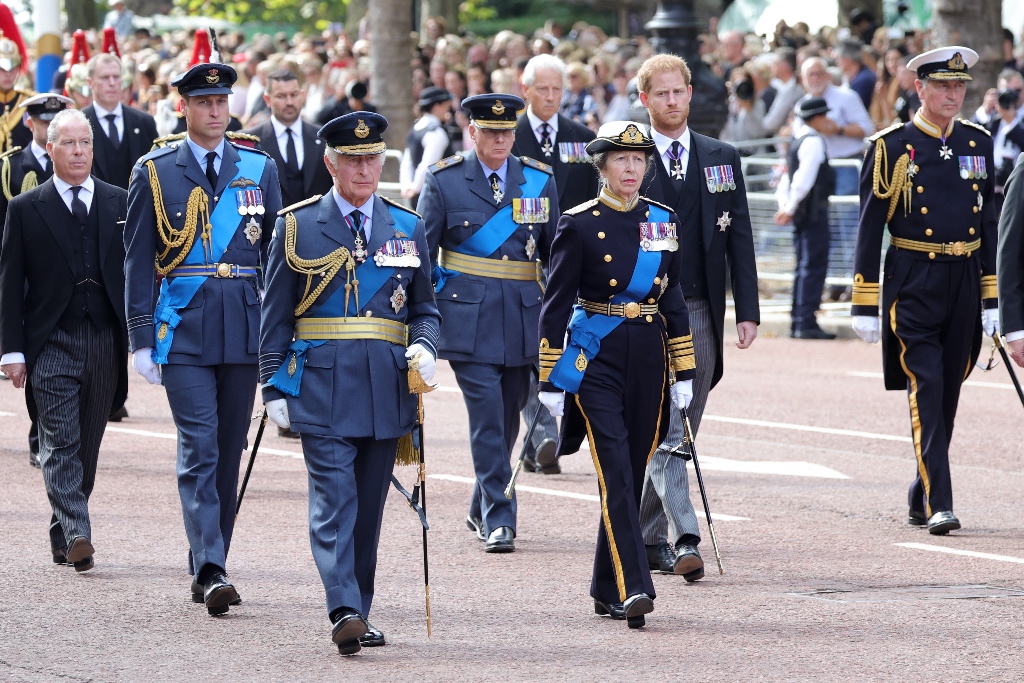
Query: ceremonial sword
[252,459]
[998,341]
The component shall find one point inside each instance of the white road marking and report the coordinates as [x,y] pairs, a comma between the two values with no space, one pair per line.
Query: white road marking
[785,468]
[807,428]
[957,551]
[569,494]
[174,437]
[968,383]
[4,413]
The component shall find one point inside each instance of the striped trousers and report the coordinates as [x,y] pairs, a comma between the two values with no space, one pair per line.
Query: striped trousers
[73,382]
[666,496]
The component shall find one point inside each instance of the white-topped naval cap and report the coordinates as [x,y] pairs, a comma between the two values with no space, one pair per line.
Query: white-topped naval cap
[945,63]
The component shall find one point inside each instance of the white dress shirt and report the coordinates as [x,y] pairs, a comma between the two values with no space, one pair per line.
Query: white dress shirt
[845,107]
[536,122]
[435,142]
[811,155]
[664,144]
[281,132]
[502,172]
[200,153]
[346,208]
[118,113]
[40,154]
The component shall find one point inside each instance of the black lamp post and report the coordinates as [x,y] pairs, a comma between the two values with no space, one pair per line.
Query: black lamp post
[674,28]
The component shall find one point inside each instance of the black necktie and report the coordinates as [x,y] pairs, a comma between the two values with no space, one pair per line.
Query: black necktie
[78,208]
[47,165]
[676,155]
[292,162]
[115,139]
[545,139]
[356,224]
[496,188]
[211,169]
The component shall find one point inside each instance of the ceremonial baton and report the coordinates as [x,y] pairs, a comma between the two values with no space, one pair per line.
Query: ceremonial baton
[419,387]
[252,459]
[677,452]
[998,341]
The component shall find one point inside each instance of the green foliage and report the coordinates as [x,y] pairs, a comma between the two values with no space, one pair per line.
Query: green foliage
[303,14]
[488,17]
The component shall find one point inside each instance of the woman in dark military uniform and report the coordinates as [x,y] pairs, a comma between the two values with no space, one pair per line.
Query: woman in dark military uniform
[613,285]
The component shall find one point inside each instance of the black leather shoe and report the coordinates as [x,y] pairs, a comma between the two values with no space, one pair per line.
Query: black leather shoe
[942,523]
[609,609]
[688,563]
[218,594]
[84,565]
[79,550]
[635,607]
[33,459]
[500,541]
[197,595]
[59,557]
[915,518]
[118,415]
[547,457]
[530,462]
[811,333]
[372,638]
[474,524]
[660,558]
[349,627]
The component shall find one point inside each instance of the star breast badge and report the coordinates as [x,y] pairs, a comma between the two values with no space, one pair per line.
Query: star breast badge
[724,221]
[253,230]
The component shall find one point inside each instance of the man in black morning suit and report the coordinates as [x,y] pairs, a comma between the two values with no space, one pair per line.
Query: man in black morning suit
[118,148]
[303,174]
[701,179]
[62,327]
[544,134]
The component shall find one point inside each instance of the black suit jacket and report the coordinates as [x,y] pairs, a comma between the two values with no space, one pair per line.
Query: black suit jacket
[735,242]
[315,177]
[37,273]
[139,133]
[1010,253]
[577,182]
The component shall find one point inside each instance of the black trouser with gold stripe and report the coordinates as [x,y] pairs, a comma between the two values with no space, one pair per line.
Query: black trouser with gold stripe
[621,399]
[934,317]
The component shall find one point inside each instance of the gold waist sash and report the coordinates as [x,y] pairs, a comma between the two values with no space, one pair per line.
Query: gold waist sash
[944,248]
[628,310]
[489,267]
[352,328]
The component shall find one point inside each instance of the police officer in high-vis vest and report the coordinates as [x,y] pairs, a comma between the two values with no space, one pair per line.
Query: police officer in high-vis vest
[201,214]
[613,285]
[348,287]
[930,182]
[490,218]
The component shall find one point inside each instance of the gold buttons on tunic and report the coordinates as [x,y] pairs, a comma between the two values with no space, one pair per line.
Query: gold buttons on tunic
[369,314]
[924,209]
[920,189]
[657,280]
[971,231]
[613,282]
[650,318]
[928,232]
[976,209]
[607,258]
[910,147]
[647,213]
[505,257]
[974,187]
[972,143]
[651,300]
[466,223]
[596,212]
[931,254]
[455,296]
[600,235]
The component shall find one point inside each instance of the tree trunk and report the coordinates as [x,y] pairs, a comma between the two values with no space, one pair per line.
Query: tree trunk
[391,71]
[81,14]
[977,24]
[355,13]
[447,9]
[873,6]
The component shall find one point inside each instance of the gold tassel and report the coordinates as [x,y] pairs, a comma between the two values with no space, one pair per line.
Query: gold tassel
[406,453]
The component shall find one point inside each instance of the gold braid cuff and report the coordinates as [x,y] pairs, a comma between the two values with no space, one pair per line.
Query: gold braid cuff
[680,350]
[988,287]
[864,293]
[197,207]
[326,266]
[548,358]
[891,188]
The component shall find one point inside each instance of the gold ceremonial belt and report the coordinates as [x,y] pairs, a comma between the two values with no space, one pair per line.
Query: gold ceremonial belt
[221,270]
[352,328]
[489,267]
[944,248]
[630,310]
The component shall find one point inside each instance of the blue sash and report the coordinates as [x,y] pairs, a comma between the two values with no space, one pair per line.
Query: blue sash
[496,230]
[586,333]
[371,278]
[175,293]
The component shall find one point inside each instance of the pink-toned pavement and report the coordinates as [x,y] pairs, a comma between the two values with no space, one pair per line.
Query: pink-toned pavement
[528,616]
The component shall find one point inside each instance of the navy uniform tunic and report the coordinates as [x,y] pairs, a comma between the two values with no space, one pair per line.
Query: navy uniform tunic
[623,403]
[934,190]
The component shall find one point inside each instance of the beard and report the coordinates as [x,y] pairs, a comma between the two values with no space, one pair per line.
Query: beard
[670,121]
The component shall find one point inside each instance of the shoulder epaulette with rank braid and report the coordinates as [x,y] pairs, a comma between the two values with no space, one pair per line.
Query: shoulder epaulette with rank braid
[447,162]
[580,208]
[539,165]
[885,131]
[972,124]
[5,171]
[403,207]
[166,140]
[651,201]
[298,205]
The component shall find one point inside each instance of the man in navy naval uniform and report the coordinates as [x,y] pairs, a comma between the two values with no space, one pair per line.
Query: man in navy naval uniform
[203,212]
[930,181]
[490,219]
[348,280]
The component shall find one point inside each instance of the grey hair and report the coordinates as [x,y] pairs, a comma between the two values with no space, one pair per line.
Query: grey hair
[61,119]
[600,161]
[102,58]
[542,62]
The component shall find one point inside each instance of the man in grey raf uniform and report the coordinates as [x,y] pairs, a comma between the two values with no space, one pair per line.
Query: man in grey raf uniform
[202,213]
[348,286]
[490,218]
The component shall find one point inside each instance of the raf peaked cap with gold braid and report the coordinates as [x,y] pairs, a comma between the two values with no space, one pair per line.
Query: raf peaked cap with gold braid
[619,136]
[358,133]
[206,79]
[496,111]
[945,63]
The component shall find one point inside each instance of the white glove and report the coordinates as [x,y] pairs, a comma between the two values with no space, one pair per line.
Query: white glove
[866,327]
[682,394]
[990,320]
[142,361]
[554,401]
[427,363]
[277,412]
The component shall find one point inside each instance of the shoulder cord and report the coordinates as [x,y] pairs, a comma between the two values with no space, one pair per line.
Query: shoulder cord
[198,206]
[327,266]
[5,178]
[899,183]
[30,181]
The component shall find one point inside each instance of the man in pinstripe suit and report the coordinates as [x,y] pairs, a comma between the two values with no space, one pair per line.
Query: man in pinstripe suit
[66,340]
